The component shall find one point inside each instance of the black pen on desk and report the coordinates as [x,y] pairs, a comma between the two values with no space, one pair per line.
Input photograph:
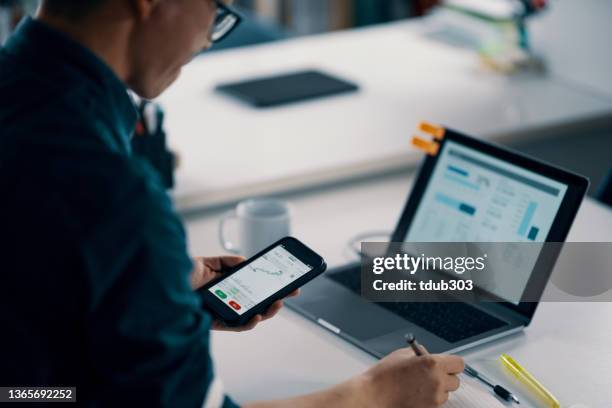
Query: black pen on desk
[497,389]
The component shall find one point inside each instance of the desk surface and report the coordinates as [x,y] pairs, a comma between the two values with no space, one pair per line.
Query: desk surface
[566,346]
[229,151]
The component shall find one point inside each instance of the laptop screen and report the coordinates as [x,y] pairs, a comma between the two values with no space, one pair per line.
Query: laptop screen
[473,197]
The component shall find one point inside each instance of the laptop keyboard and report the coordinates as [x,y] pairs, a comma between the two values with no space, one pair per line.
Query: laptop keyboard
[452,321]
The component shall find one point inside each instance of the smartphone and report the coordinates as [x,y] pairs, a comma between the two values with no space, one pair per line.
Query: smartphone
[251,287]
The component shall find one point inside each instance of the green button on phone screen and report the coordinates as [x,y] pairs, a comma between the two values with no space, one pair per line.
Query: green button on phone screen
[220,294]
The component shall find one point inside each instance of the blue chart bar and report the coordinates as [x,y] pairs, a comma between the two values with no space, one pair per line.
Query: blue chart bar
[533,233]
[458,171]
[527,218]
[451,202]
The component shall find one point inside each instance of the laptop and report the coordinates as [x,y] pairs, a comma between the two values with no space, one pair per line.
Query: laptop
[452,200]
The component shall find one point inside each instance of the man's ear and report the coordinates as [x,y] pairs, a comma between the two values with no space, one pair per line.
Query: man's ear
[144,8]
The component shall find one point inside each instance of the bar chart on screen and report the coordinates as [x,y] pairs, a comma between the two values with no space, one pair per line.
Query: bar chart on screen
[475,197]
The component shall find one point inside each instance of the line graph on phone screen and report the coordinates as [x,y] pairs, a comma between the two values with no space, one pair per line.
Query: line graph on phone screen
[261,278]
[267,270]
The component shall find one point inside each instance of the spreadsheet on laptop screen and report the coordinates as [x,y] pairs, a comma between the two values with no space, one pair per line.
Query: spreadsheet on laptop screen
[474,197]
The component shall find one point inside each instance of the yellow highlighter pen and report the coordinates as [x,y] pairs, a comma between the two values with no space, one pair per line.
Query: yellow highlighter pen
[526,378]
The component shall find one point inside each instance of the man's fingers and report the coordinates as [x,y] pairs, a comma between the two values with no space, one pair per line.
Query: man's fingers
[294,293]
[273,309]
[452,364]
[218,263]
[219,325]
[405,352]
[452,382]
[251,324]
[212,262]
[231,260]
[442,398]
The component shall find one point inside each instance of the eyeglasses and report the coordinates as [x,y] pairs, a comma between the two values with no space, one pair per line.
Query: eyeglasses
[226,20]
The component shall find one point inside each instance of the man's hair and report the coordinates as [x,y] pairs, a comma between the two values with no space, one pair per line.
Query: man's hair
[71,8]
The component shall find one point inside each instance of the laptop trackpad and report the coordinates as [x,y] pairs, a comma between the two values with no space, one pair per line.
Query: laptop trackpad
[350,313]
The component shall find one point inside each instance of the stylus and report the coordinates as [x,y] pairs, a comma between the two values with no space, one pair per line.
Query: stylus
[497,389]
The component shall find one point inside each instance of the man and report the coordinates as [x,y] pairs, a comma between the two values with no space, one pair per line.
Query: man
[97,286]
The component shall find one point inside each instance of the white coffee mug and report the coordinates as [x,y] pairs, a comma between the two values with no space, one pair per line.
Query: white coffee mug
[261,222]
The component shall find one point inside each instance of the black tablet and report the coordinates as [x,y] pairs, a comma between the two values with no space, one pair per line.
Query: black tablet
[287,88]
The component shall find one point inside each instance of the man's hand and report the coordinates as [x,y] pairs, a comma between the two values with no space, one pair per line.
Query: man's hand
[208,268]
[403,379]
[399,380]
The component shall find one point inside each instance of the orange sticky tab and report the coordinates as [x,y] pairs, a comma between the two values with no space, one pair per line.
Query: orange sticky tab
[429,147]
[436,131]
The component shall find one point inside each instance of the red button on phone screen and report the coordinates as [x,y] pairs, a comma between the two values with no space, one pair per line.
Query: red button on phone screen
[234,305]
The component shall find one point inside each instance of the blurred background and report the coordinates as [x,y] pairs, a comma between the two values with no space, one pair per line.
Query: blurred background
[566,43]
[315,16]
[293,17]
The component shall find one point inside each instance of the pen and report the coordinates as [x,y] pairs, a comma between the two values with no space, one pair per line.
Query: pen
[528,379]
[470,371]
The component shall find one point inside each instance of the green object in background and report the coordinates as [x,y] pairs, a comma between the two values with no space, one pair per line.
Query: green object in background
[221,294]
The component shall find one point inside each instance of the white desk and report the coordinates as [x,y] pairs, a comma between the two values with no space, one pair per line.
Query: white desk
[567,346]
[229,151]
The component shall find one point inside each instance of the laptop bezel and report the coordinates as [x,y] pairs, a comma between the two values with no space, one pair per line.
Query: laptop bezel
[577,188]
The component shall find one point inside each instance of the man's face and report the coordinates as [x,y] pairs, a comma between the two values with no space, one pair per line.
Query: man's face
[165,41]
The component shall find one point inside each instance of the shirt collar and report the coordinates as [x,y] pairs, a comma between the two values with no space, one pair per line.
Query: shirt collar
[46,47]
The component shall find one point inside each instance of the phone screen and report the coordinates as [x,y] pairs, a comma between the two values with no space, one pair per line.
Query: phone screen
[260,279]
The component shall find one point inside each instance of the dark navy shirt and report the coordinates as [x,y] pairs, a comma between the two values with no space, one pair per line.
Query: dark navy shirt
[94,270]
